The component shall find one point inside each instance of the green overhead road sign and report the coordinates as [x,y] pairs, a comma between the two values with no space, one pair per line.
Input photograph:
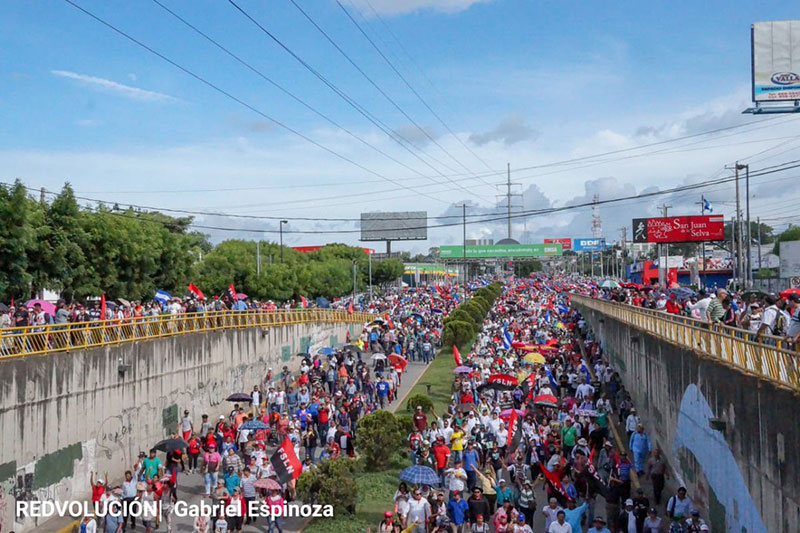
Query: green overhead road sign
[500,250]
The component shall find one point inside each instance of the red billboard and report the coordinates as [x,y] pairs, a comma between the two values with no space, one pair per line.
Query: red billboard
[566,244]
[679,229]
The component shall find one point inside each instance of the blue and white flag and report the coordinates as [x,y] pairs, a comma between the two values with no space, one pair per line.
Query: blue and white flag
[507,338]
[563,309]
[547,316]
[585,370]
[162,296]
[550,376]
[707,206]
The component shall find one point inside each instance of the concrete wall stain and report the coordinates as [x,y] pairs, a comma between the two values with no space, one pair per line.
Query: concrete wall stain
[169,419]
[53,467]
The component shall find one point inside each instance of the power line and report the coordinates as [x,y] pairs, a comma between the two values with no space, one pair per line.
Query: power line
[349,100]
[238,100]
[411,88]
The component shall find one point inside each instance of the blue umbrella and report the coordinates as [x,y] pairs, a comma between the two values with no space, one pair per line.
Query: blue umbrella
[682,293]
[418,317]
[419,475]
[323,303]
[254,424]
[325,351]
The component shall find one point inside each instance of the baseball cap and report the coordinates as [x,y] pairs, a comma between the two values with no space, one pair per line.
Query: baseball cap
[628,502]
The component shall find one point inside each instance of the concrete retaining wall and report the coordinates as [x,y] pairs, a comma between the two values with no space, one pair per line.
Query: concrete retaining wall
[65,415]
[731,438]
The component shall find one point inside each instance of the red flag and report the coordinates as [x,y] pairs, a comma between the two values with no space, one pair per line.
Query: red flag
[103,306]
[194,290]
[514,431]
[285,462]
[556,488]
[388,320]
[304,302]
[350,308]
[457,355]
[231,292]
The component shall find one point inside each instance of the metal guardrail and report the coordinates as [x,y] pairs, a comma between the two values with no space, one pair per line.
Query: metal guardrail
[35,340]
[764,356]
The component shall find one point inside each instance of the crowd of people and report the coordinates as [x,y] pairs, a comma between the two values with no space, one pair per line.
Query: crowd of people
[527,434]
[317,408]
[765,315]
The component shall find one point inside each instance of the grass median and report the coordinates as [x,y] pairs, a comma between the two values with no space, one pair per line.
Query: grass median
[439,375]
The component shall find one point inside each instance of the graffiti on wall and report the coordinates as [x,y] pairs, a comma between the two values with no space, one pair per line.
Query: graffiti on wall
[714,457]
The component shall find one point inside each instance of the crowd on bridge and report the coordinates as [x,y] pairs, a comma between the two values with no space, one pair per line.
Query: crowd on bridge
[765,315]
[528,435]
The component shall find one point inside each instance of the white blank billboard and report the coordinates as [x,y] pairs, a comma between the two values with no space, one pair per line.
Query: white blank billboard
[790,259]
[776,60]
[394,226]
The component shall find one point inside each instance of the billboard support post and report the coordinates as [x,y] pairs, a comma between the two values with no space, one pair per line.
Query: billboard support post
[749,276]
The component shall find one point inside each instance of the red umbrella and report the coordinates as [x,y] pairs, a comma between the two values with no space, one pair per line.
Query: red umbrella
[787,292]
[397,360]
[546,400]
[505,415]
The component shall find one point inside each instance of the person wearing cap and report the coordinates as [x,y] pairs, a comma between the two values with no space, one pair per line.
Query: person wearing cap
[598,526]
[626,521]
[387,525]
[458,509]
[640,506]
[98,487]
[503,492]
[478,505]
[211,465]
[420,419]
[653,523]
[631,422]
[521,525]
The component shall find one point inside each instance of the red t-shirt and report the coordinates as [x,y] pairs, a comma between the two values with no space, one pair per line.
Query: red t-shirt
[97,491]
[441,452]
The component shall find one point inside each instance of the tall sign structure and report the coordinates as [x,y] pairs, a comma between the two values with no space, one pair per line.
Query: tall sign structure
[775,66]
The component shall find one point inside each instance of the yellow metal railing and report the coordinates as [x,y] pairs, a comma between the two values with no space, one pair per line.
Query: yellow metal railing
[33,340]
[765,356]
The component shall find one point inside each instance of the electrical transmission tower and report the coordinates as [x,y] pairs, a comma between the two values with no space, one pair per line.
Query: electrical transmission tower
[508,196]
[597,222]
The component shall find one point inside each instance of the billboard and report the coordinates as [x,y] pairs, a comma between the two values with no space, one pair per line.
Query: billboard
[776,60]
[589,245]
[679,229]
[394,226]
[500,250]
[790,258]
[566,244]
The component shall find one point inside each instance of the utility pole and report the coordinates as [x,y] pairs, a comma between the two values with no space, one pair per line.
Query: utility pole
[508,195]
[702,275]
[749,274]
[464,242]
[665,249]
[280,228]
[355,283]
[369,259]
[623,271]
[258,258]
[758,223]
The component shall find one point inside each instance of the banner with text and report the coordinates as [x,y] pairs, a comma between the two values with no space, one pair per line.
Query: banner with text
[588,245]
[500,250]
[566,244]
[679,229]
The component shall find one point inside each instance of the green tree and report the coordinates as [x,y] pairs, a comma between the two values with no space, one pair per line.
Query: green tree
[387,271]
[380,434]
[331,483]
[15,238]
[792,233]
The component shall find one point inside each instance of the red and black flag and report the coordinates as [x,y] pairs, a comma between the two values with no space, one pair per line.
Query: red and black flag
[527,386]
[457,356]
[192,288]
[555,488]
[285,462]
[514,431]
[231,292]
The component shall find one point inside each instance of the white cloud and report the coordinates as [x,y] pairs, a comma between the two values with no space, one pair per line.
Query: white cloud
[511,130]
[117,88]
[403,7]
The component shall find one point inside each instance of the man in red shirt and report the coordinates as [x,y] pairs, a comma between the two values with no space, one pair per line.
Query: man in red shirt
[420,419]
[98,488]
[673,306]
[442,454]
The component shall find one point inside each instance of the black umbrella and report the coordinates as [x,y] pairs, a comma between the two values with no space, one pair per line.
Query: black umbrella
[496,386]
[351,348]
[170,445]
[239,397]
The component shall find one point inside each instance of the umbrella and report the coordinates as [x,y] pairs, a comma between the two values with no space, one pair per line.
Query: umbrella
[254,425]
[325,351]
[47,307]
[241,296]
[373,326]
[507,413]
[609,284]
[267,484]
[351,348]
[378,322]
[788,292]
[124,302]
[170,445]
[397,360]
[418,317]
[462,370]
[437,311]
[546,400]
[535,358]
[682,293]
[419,475]
[3,308]
[495,386]
[377,357]
[239,397]
[323,303]
[465,407]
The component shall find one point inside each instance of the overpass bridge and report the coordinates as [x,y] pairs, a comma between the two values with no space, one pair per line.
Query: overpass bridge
[83,398]
[722,404]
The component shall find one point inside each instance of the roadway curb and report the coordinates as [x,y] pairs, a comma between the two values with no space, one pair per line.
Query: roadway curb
[74,526]
[401,400]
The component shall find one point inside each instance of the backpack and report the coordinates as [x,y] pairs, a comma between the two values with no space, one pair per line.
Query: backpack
[779,327]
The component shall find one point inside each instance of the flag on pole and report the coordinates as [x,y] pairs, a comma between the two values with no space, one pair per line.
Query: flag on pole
[231,292]
[507,339]
[103,306]
[514,431]
[350,308]
[303,302]
[707,206]
[388,320]
[457,355]
[551,378]
[285,462]
[554,483]
[192,288]
[527,386]
[162,296]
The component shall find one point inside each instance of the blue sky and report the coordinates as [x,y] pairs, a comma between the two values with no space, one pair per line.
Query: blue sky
[525,82]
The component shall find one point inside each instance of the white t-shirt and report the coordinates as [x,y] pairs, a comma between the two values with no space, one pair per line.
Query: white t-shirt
[418,511]
[555,527]
[455,479]
[793,324]
[769,317]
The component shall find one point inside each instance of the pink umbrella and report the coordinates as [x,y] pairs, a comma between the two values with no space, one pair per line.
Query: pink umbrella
[462,370]
[241,296]
[507,413]
[47,307]
[266,483]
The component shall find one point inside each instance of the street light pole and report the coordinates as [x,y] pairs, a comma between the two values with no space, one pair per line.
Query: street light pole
[369,259]
[280,227]
[355,285]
